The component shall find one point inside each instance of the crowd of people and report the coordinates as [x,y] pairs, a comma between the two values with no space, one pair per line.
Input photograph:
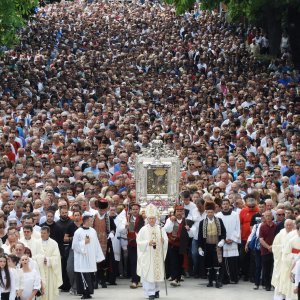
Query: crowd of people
[87,89]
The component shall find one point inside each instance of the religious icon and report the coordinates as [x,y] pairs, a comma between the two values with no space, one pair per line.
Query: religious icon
[157,181]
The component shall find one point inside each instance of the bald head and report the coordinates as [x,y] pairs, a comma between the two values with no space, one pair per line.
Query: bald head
[289,225]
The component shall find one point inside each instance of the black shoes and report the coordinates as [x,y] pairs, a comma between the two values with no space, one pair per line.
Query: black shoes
[86,297]
[152,297]
[256,287]
[210,284]
[104,285]
[156,295]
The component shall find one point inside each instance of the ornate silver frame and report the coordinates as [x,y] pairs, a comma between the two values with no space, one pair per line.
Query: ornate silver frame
[163,165]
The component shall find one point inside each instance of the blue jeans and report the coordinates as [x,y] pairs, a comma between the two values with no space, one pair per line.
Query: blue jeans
[258,267]
[195,256]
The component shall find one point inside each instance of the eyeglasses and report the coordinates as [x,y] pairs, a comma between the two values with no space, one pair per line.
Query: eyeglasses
[36,193]
[280,215]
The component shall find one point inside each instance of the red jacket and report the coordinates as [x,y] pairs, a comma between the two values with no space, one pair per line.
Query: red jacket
[245,218]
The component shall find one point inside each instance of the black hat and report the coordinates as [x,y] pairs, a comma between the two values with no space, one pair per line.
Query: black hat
[102,203]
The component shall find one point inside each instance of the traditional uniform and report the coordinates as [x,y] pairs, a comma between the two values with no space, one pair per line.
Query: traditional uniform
[178,244]
[106,228]
[212,234]
[135,224]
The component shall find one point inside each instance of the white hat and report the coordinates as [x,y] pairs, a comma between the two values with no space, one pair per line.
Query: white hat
[151,211]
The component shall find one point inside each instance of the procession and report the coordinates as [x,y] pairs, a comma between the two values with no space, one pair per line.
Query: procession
[146,154]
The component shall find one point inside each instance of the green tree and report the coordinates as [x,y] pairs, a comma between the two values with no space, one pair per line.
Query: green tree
[13,14]
[274,16]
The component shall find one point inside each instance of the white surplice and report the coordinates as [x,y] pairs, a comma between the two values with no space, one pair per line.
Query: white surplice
[86,256]
[233,232]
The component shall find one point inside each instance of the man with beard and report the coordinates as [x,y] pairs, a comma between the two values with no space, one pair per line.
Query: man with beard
[176,230]
[62,225]
[105,228]
[233,238]
[211,239]
[134,222]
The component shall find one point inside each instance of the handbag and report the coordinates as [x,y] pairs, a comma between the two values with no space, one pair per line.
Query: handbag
[38,294]
[252,243]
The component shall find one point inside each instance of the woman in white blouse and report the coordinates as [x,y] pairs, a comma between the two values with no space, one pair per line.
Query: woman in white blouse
[7,280]
[13,261]
[31,279]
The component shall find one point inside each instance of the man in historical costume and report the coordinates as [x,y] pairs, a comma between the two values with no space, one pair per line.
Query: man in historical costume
[289,257]
[277,249]
[211,239]
[176,230]
[198,215]
[231,221]
[152,246]
[106,229]
[49,264]
[132,225]
[33,244]
[87,253]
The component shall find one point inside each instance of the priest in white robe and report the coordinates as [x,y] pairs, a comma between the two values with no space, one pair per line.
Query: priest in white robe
[34,244]
[152,246]
[285,269]
[87,253]
[230,267]
[290,256]
[50,265]
[277,249]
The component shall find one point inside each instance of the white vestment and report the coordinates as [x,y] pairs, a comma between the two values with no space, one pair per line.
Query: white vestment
[51,271]
[86,256]
[277,249]
[233,232]
[288,259]
[34,244]
[150,263]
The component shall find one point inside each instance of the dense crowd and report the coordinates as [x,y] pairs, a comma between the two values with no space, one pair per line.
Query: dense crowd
[89,86]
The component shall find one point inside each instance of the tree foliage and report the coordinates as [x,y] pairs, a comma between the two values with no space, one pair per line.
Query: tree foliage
[13,15]
[252,10]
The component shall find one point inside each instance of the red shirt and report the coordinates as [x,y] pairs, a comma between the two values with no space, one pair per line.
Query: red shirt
[245,219]
[114,177]
[267,232]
